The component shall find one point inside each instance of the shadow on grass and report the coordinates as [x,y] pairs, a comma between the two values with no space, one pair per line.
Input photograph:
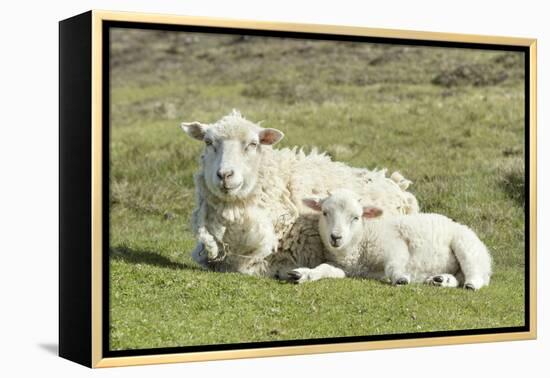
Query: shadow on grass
[135,256]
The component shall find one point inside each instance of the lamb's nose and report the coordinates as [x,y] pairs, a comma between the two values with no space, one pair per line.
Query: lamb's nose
[224,175]
[335,237]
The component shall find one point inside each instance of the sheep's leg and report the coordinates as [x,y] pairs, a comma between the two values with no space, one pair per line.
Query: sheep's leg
[260,241]
[256,268]
[397,258]
[473,257]
[256,263]
[442,280]
[208,239]
[264,237]
[211,249]
[301,275]
[206,247]
[267,247]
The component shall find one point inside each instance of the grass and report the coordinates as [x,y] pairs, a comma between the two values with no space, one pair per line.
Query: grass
[451,120]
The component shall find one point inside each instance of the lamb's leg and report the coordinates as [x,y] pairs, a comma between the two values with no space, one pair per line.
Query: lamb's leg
[442,280]
[396,260]
[473,257]
[301,275]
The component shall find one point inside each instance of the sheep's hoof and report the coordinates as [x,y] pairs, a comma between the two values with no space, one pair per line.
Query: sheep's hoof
[469,286]
[402,281]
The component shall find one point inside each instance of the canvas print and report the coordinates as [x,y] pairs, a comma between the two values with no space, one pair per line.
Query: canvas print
[290,189]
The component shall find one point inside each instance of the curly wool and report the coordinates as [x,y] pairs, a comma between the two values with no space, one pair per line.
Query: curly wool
[272,213]
[414,248]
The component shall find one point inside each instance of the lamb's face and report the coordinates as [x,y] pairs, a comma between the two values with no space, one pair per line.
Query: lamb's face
[232,154]
[340,221]
[340,224]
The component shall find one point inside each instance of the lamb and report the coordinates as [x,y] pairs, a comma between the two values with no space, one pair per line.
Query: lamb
[248,195]
[429,248]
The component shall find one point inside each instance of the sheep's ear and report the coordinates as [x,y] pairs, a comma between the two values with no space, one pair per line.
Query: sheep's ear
[372,212]
[194,129]
[313,203]
[270,136]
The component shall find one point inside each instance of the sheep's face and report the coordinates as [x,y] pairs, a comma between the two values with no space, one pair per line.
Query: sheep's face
[231,159]
[340,223]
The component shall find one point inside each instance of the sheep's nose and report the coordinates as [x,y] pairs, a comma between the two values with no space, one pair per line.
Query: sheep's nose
[224,175]
[335,237]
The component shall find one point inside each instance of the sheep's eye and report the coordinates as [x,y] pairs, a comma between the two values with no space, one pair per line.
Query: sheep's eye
[355,219]
[210,144]
[325,213]
[252,145]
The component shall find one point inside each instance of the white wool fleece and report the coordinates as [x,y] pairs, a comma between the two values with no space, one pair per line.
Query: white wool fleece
[428,248]
[249,205]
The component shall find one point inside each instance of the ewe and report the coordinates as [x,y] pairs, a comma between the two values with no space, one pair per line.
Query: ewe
[428,248]
[249,198]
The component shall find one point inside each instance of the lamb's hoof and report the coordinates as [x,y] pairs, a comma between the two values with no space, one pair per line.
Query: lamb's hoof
[438,280]
[402,281]
[442,280]
[294,276]
[470,286]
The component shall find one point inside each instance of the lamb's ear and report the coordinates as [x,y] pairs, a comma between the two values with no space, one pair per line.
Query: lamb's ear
[313,203]
[372,212]
[270,136]
[194,129]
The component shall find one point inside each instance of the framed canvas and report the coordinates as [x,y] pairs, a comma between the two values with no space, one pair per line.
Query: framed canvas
[233,189]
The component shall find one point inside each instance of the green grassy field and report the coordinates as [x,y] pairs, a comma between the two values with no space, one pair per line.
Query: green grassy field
[451,120]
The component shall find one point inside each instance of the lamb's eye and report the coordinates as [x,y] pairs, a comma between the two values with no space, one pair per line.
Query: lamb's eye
[325,213]
[252,146]
[355,219]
